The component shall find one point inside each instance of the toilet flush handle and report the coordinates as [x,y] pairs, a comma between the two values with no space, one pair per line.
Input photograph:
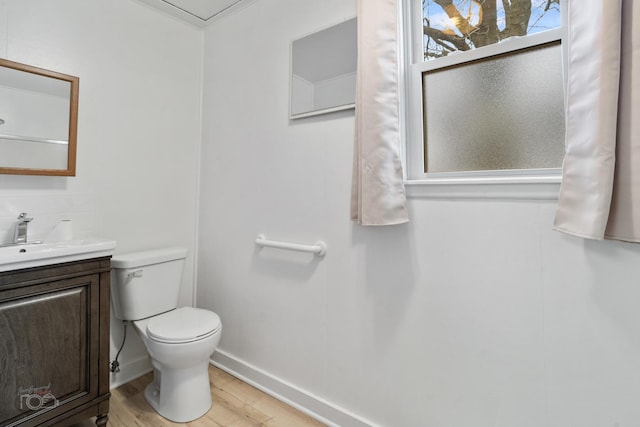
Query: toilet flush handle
[136,273]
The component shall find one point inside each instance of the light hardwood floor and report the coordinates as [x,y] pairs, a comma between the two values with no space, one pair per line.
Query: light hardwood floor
[235,404]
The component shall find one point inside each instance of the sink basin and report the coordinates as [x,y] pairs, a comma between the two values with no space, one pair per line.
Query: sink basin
[37,254]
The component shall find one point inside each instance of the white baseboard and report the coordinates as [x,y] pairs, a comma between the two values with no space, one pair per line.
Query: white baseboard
[130,371]
[317,408]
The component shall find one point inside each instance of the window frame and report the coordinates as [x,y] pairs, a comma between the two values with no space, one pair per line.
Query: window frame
[540,184]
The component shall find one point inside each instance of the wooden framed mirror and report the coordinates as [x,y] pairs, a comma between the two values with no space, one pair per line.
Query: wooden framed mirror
[38,120]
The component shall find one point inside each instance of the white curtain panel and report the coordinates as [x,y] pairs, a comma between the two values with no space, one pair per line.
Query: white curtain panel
[377,190]
[600,192]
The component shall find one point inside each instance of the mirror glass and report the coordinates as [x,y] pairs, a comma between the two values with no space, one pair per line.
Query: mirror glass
[323,70]
[38,120]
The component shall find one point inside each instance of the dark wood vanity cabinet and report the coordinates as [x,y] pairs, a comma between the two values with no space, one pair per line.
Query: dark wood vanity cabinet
[54,344]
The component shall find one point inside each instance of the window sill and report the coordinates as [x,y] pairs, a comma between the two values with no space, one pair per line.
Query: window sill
[508,187]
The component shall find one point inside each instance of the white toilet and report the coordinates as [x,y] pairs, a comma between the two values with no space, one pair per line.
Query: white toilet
[179,341]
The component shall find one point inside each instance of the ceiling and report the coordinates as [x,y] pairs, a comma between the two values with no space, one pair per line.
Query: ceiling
[197,12]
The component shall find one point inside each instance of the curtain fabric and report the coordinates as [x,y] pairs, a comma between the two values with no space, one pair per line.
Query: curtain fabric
[600,192]
[377,190]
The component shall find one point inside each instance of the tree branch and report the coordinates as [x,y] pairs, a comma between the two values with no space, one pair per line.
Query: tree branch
[549,3]
[439,36]
[462,24]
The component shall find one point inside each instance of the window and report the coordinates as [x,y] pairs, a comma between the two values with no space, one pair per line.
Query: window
[485,88]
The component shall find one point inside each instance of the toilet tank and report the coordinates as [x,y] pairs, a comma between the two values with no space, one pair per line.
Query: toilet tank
[146,283]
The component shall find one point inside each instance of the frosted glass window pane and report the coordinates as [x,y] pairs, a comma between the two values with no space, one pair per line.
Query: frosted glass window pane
[504,112]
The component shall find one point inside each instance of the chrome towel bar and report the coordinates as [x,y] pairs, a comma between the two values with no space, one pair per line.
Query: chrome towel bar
[319,248]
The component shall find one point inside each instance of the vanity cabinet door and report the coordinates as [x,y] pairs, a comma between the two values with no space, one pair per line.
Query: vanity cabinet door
[48,349]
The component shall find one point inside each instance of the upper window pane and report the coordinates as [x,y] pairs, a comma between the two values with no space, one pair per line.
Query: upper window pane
[461,25]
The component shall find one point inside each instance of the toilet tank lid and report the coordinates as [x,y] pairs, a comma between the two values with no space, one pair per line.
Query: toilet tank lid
[142,258]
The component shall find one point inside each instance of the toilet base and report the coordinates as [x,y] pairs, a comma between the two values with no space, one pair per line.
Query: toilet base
[180,395]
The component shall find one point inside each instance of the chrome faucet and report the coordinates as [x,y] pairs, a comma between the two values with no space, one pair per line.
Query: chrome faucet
[20,234]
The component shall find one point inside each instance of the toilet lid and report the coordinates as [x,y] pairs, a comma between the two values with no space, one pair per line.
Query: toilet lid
[183,325]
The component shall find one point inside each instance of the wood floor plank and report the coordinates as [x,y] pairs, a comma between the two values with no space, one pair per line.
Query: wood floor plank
[235,404]
[283,415]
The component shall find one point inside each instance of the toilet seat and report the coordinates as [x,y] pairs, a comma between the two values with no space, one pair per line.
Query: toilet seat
[183,325]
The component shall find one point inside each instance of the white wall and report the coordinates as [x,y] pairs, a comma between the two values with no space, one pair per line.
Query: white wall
[32,113]
[336,91]
[28,113]
[138,130]
[475,314]
[301,95]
